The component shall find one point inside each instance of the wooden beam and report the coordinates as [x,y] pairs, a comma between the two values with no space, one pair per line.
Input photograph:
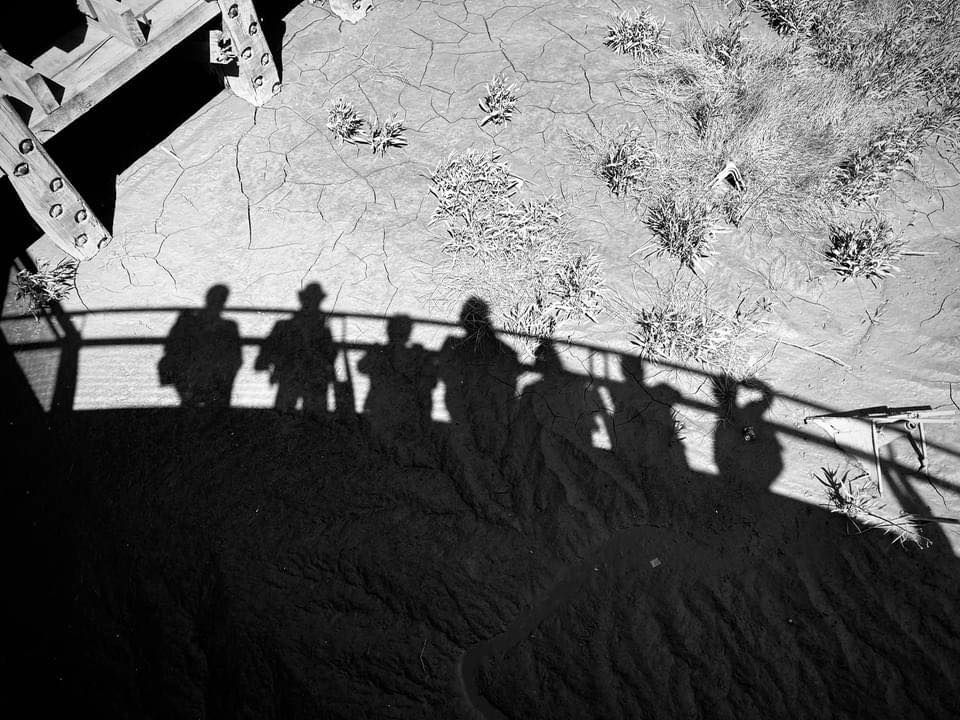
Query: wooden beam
[258,79]
[24,83]
[101,64]
[115,18]
[49,197]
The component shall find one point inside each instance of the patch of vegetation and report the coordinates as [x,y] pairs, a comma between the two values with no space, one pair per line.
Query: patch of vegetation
[500,102]
[345,124]
[868,249]
[864,174]
[636,34]
[681,325]
[517,253]
[622,160]
[853,497]
[49,284]
[681,227]
[467,181]
[386,134]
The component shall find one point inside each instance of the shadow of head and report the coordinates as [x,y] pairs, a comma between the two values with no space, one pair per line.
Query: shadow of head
[399,328]
[311,296]
[475,316]
[217,298]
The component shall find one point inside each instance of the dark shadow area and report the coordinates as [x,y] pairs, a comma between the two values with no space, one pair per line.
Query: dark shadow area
[177,562]
[299,355]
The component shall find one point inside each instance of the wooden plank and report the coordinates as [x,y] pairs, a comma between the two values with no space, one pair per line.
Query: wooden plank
[257,79]
[49,197]
[117,19]
[102,63]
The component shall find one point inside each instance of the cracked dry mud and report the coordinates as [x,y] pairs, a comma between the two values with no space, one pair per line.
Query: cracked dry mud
[551,551]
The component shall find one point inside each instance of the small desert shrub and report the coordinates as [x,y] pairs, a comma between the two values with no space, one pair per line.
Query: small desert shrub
[500,101]
[853,498]
[635,33]
[386,134]
[681,227]
[345,124]
[681,325]
[470,180]
[37,290]
[868,249]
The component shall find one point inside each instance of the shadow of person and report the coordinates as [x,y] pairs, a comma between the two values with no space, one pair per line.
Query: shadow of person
[480,374]
[399,400]
[299,354]
[644,435]
[202,354]
[554,460]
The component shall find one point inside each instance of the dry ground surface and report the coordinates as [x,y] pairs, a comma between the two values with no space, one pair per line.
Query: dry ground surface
[573,536]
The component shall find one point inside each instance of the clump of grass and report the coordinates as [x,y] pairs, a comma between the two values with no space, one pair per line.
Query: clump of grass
[345,124]
[635,33]
[864,174]
[517,253]
[623,160]
[787,17]
[722,44]
[852,497]
[500,102]
[465,182]
[681,325]
[386,134]
[868,249]
[682,228]
[49,284]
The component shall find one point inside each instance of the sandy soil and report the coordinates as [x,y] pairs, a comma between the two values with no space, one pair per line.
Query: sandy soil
[444,526]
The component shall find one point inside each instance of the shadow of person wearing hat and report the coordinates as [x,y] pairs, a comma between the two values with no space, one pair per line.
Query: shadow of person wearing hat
[299,354]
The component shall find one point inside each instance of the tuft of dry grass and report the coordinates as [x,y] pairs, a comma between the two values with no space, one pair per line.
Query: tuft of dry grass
[387,134]
[500,102]
[852,497]
[518,254]
[345,123]
[635,33]
[49,284]
[680,324]
[868,249]
[468,181]
[623,160]
[681,227]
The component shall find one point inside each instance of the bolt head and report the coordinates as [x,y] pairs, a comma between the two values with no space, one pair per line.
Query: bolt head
[56,184]
[258,81]
[21,169]
[56,210]
[265,59]
[80,240]
[233,11]
[253,29]
[26,146]
[276,87]
[246,53]
[80,216]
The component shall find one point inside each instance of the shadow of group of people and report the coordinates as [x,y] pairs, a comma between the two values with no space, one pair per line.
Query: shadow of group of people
[502,436]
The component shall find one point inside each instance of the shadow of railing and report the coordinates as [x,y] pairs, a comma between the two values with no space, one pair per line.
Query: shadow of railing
[603,364]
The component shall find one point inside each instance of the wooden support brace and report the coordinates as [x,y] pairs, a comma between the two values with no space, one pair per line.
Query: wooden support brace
[114,18]
[48,196]
[26,84]
[258,79]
